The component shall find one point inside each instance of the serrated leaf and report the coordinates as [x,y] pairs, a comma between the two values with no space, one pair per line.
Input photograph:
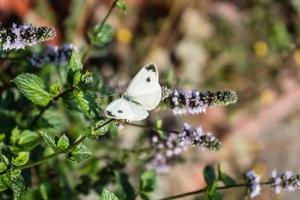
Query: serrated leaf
[28,140]
[33,88]
[101,35]
[107,195]
[75,63]
[148,181]
[49,139]
[121,5]
[21,159]
[17,185]
[74,68]
[63,142]
[79,153]
[82,101]
[89,81]
[209,175]
[124,187]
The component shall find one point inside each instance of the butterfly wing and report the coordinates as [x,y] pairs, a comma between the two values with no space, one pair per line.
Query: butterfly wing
[124,109]
[144,87]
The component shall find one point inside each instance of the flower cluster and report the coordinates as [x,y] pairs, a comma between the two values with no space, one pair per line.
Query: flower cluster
[195,102]
[286,180]
[175,143]
[53,55]
[252,180]
[196,137]
[19,36]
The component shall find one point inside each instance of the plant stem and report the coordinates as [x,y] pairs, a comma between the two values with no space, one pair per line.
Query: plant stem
[90,46]
[152,128]
[69,149]
[54,99]
[204,189]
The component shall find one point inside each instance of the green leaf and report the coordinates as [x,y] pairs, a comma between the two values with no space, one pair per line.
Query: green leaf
[15,134]
[101,35]
[43,191]
[17,185]
[227,180]
[33,88]
[75,63]
[223,177]
[217,195]
[3,185]
[3,166]
[124,187]
[147,184]
[49,139]
[89,81]
[158,123]
[148,181]
[113,130]
[209,175]
[53,122]
[107,195]
[121,5]
[4,162]
[63,142]
[54,88]
[21,159]
[74,68]
[96,131]
[79,153]
[82,101]
[28,140]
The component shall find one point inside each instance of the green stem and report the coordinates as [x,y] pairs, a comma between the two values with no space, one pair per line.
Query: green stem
[90,46]
[68,150]
[152,128]
[204,189]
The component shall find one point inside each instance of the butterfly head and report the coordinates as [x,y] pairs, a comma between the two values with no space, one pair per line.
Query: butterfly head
[127,97]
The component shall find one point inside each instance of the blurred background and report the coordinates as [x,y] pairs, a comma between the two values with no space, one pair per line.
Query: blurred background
[249,46]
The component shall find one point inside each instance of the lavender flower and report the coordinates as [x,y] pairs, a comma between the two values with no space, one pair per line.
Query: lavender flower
[19,36]
[174,143]
[285,181]
[53,55]
[253,183]
[196,102]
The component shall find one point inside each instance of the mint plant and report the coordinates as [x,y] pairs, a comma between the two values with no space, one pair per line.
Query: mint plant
[52,123]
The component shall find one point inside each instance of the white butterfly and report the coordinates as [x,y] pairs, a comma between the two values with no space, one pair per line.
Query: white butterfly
[142,94]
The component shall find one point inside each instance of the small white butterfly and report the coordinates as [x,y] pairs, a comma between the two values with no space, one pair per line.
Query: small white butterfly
[142,94]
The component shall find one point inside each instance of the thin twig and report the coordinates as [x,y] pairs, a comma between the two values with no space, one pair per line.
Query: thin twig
[204,189]
[152,128]
[90,46]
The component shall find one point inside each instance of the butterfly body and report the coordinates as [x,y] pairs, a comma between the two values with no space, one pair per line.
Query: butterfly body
[143,94]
